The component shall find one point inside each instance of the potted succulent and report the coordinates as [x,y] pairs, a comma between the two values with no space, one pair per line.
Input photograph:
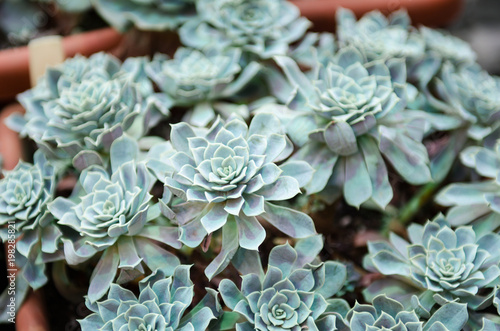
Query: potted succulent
[239,184]
[24,20]
[426,12]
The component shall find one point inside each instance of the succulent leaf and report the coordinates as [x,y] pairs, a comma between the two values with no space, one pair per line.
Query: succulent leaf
[475,203]
[149,15]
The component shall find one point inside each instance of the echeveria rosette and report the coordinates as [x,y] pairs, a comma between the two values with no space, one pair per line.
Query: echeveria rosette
[388,314]
[380,36]
[114,214]
[447,47]
[469,94]
[293,294]
[162,304]
[228,176]
[439,265]
[447,71]
[84,104]
[440,48]
[201,80]
[25,193]
[464,101]
[476,203]
[261,28]
[348,120]
[149,15]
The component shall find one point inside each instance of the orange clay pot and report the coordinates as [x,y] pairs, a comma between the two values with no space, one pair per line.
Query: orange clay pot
[435,13]
[14,62]
[30,316]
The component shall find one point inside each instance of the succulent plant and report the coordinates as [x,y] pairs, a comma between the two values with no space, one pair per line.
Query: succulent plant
[469,94]
[227,177]
[149,15]
[262,28]
[380,36]
[346,118]
[25,193]
[84,104]
[161,305]
[441,264]
[447,47]
[114,214]
[293,294]
[388,314]
[489,325]
[475,203]
[201,79]
[459,98]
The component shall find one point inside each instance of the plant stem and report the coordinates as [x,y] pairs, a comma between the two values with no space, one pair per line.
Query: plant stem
[410,209]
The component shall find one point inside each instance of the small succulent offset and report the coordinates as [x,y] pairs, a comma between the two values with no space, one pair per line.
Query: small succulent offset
[444,265]
[114,214]
[161,305]
[25,193]
[84,104]
[294,293]
[228,176]
[260,28]
[388,314]
[202,80]
[346,117]
[476,203]
[149,15]
[380,36]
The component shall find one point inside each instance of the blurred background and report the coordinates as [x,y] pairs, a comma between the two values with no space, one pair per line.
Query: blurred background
[479,25]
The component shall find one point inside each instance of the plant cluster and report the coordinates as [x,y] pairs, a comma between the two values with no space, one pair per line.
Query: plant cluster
[197,162]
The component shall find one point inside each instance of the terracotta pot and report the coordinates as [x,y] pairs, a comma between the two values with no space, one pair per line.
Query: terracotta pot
[10,144]
[14,68]
[30,316]
[434,13]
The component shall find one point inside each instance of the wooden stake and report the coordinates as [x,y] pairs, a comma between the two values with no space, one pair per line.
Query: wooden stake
[44,52]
